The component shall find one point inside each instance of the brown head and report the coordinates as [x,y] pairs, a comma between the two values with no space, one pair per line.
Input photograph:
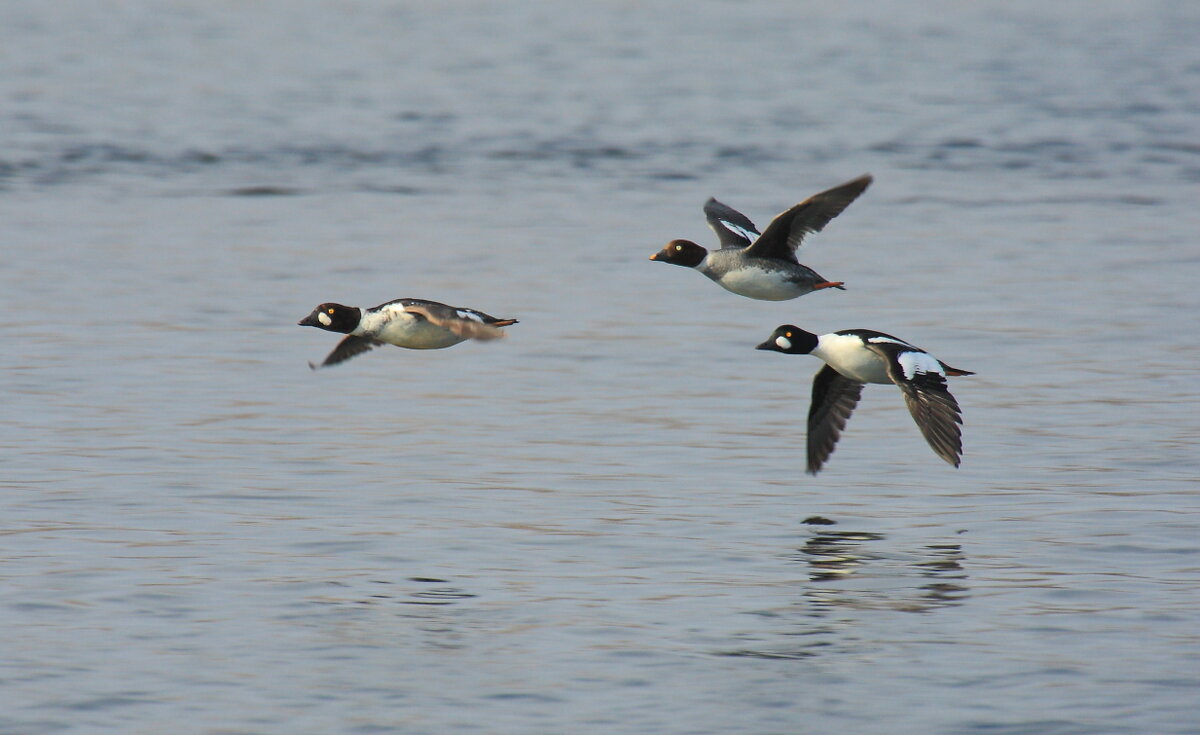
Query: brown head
[681,252]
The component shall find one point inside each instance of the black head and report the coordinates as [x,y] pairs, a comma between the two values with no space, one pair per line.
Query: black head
[681,252]
[790,340]
[333,318]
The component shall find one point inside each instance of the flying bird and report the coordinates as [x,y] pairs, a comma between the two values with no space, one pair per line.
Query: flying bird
[854,357]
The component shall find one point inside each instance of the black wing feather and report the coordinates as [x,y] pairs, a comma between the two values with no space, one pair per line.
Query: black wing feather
[346,349]
[786,232]
[933,408]
[834,397]
[729,224]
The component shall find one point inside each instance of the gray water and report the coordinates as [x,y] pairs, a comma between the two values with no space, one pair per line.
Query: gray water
[597,525]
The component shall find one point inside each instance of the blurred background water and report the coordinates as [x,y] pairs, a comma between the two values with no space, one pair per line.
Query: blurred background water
[598,525]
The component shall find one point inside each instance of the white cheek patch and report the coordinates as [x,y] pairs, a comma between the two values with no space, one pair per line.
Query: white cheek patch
[783,343]
[918,362]
[324,319]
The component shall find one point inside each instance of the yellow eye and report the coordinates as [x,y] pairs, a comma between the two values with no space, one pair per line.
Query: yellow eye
[331,311]
[787,334]
[679,247]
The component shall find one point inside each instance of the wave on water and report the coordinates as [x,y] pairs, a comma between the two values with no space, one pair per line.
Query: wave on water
[271,166]
[1049,157]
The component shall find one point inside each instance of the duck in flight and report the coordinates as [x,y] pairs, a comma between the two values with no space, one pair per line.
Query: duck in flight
[855,357]
[416,324]
[764,266]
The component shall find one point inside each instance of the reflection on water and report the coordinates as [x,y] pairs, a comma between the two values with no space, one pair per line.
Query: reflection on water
[836,554]
[862,576]
[946,565]
[855,571]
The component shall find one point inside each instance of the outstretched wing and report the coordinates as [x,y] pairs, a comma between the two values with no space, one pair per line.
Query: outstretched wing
[347,348]
[834,397]
[786,232]
[734,229]
[466,323]
[919,376]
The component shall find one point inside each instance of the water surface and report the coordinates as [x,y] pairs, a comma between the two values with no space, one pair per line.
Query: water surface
[601,524]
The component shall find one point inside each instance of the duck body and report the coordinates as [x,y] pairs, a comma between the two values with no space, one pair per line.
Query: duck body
[394,324]
[414,324]
[764,279]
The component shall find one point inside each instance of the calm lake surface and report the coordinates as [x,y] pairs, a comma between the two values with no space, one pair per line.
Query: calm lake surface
[599,524]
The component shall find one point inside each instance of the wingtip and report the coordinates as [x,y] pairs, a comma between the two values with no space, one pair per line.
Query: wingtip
[861,181]
[857,185]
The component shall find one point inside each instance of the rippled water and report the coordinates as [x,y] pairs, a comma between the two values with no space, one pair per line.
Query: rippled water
[601,524]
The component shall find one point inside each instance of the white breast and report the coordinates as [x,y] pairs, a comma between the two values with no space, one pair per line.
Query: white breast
[770,285]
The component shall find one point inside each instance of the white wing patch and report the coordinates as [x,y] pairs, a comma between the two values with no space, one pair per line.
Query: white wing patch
[391,316]
[391,311]
[464,314]
[888,340]
[917,362]
[751,236]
